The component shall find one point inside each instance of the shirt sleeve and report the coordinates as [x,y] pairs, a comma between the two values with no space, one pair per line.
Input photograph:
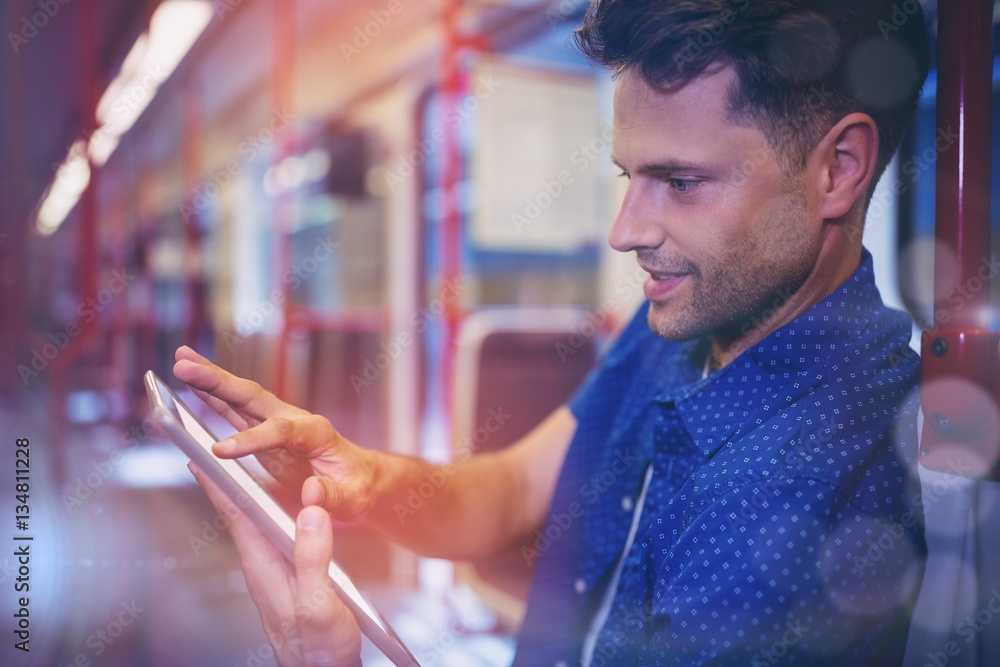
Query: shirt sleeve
[788,572]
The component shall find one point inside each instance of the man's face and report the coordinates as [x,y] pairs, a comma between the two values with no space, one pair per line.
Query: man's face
[725,233]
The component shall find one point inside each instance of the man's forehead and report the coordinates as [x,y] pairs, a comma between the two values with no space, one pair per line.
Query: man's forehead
[690,129]
[697,108]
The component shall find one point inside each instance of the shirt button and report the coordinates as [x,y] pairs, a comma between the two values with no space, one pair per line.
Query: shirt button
[627,503]
[580,586]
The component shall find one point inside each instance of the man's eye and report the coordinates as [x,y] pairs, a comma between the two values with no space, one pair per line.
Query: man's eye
[623,174]
[680,184]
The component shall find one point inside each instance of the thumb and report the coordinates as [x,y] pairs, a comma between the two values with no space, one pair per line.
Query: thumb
[327,629]
[313,547]
[334,498]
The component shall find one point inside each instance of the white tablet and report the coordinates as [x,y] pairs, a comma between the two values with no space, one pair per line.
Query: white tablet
[188,433]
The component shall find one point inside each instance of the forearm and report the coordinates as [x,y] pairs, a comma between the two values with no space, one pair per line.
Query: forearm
[476,507]
[459,511]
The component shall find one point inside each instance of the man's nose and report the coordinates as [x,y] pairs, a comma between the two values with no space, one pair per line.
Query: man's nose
[637,224]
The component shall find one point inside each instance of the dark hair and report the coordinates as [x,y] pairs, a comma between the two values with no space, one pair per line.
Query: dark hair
[801,65]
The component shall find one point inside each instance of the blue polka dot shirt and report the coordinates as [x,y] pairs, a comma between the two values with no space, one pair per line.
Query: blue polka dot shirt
[780,523]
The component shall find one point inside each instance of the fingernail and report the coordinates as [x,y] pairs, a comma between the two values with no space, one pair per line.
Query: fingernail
[184,363]
[193,468]
[223,446]
[311,519]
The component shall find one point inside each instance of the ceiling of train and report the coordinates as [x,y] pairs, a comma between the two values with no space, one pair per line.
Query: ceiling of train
[42,108]
[42,82]
[44,87]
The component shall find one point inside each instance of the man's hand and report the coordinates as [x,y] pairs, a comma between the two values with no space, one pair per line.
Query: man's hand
[302,450]
[477,507]
[303,618]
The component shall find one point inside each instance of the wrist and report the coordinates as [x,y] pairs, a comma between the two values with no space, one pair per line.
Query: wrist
[372,462]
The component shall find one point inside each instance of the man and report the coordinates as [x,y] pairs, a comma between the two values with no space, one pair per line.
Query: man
[732,483]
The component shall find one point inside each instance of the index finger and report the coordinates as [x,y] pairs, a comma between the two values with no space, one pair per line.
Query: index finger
[245,396]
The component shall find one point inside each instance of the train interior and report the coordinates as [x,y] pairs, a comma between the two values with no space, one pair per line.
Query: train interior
[391,213]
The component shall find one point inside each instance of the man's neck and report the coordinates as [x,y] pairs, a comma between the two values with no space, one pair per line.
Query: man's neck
[836,263]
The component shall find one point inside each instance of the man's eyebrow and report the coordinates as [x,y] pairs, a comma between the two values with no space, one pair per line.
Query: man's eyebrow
[664,167]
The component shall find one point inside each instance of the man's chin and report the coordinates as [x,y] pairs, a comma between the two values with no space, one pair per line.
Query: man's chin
[667,323]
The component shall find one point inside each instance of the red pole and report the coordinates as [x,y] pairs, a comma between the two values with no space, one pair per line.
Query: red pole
[14,332]
[88,261]
[961,356]
[965,88]
[451,227]
[283,43]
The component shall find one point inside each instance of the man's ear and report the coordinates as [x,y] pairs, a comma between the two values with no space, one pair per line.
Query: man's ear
[843,164]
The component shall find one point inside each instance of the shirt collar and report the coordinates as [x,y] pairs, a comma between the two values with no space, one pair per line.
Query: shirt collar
[769,375]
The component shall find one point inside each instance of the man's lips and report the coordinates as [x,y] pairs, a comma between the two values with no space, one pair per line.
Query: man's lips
[661,285]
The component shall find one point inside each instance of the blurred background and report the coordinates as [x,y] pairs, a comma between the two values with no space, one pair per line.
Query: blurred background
[392,213]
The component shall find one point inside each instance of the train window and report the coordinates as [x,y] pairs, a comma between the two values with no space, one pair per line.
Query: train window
[532,219]
[314,230]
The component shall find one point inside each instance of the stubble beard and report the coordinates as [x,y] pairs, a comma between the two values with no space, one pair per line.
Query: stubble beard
[743,292]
